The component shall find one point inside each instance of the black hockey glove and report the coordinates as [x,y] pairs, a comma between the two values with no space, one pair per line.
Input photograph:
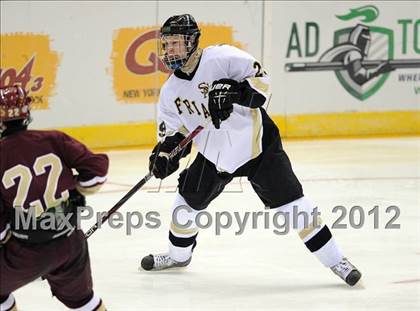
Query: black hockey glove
[223,93]
[159,163]
[76,199]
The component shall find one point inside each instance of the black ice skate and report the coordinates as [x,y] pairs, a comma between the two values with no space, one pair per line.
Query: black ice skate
[345,270]
[161,262]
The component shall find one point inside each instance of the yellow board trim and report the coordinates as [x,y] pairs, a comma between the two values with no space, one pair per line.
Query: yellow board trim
[350,124]
[115,135]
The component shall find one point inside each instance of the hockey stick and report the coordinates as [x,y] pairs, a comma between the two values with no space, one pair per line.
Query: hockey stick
[141,183]
[326,66]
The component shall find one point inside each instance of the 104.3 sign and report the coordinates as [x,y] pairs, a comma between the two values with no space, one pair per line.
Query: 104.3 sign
[34,67]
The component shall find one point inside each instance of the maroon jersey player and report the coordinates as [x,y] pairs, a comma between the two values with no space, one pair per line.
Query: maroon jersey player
[36,169]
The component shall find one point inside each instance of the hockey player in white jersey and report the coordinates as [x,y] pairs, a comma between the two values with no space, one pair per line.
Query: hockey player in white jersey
[229,87]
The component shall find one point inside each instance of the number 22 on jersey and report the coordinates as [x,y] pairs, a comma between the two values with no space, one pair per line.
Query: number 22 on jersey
[23,173]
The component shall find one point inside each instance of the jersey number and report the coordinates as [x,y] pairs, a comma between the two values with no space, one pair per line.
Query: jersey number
[260,71]
[25,177]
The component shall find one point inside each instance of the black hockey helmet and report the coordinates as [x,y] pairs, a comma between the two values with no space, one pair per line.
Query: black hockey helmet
[183,24]
[186,27]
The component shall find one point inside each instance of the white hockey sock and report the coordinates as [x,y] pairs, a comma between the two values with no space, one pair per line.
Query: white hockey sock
[9,304]
[94,304]
[329,254]
[316,236]
[183,230]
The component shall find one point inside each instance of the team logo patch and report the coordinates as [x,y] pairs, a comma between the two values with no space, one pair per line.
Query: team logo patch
[204,88]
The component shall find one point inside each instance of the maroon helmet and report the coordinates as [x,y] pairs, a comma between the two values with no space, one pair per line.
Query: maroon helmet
[14,105]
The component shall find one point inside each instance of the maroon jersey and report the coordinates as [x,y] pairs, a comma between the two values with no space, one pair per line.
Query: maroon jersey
[36,170]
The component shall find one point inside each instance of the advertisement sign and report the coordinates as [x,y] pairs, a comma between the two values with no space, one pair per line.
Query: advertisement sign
[28,60]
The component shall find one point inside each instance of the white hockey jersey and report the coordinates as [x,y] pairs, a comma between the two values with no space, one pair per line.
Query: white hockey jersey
[183,105]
